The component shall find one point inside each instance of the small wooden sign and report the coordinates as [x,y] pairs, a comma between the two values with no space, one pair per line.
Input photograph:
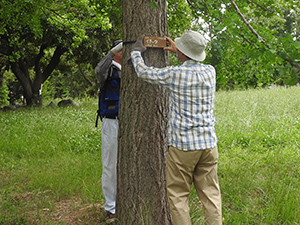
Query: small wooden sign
[155,42]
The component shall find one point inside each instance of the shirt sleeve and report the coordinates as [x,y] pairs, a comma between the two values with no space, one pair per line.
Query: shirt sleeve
[152,75]
[101,70]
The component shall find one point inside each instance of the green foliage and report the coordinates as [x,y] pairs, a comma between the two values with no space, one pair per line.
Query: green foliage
[67,82]
[9,84]
[88,27]
[243,59]
[179,17]
[70,17]
[32,32]
[48,90]
[4,94]
[153,5]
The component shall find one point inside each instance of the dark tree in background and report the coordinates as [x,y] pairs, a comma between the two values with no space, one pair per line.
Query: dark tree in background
[141,197]
[36,34]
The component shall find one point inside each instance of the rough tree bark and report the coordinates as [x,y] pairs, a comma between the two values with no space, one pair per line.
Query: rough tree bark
[141,197]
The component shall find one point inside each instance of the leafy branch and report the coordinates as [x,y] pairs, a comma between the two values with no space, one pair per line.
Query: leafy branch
[261,39]
[247,23]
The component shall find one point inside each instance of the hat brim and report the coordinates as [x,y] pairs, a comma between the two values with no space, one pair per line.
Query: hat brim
[181,46]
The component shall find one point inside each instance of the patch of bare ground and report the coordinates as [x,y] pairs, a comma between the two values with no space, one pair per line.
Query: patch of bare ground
[64,212]
[72,212]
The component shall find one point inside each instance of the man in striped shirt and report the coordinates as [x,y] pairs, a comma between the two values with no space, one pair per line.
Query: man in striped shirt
[192,154]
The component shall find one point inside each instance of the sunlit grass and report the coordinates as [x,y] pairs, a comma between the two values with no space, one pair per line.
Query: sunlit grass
[56,151]
[258,140]
[49,154]
[259,133]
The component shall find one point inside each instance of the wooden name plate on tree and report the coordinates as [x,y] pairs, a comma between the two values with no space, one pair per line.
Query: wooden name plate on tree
[155,42]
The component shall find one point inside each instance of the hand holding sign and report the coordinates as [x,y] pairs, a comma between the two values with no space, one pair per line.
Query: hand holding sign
[155,42]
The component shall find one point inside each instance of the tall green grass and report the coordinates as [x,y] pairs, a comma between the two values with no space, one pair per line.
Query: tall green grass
[51,154]
[259,134]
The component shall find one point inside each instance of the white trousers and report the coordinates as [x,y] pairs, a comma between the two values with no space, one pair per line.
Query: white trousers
[109,136]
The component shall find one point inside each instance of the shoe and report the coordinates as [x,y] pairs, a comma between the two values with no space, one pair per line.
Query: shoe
[110,218]
[110,215]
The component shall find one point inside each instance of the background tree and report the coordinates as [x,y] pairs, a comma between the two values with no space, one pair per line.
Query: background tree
[141,197]
[35,34]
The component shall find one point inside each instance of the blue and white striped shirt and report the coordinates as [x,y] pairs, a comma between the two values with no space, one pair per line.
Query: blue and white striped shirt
[191,101]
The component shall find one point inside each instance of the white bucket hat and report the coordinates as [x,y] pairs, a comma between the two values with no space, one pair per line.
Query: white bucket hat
[192,44]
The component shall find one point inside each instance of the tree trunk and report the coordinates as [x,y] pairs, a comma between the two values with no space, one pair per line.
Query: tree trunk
[141,193]
[21,72]
[1,78]
[32,89]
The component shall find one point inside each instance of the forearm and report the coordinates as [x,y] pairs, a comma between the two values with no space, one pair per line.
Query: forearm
[102,67]
[150,74]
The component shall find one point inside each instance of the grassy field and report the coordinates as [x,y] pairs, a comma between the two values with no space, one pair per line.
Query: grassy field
[50,162]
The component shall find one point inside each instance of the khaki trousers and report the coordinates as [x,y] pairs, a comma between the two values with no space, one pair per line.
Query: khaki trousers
[199,167]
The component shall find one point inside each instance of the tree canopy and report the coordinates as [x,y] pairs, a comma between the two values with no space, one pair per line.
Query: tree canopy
[35,34]
[252,43]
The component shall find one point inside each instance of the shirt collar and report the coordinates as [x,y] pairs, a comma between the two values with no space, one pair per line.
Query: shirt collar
[190,61]
[118,65]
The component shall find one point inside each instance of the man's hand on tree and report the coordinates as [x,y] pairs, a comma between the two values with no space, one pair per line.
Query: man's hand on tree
[139,45]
